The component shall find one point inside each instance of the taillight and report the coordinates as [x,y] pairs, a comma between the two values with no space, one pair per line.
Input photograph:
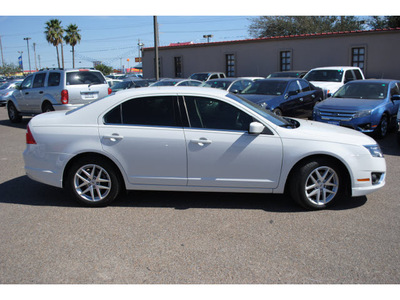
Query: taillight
[29,137]
[64,97]
[109,91]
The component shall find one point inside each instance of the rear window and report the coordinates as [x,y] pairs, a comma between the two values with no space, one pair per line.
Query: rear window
[85,77]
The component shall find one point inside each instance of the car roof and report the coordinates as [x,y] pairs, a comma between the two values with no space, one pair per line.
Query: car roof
[280,79]
[335,68]
[378,80]
[225,79]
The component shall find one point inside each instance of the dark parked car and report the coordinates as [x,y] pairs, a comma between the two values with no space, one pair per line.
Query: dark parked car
[295,74]
[369,106]
[284,96]
[129,83]
[234,85]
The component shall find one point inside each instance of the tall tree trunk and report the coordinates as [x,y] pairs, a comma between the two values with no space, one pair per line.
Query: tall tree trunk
[62,55]
[58,57]
[73,57]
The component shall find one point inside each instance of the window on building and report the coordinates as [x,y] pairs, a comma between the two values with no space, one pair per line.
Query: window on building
[286,60]
[230,65]
[358,57]
[178,66]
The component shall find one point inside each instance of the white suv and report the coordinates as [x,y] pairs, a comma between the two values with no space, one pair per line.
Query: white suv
[332,78]
[56,89]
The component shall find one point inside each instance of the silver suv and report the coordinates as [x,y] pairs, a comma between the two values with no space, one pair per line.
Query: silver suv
[56,89]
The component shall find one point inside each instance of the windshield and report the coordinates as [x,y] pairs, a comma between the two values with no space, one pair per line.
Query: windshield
[199,76]
[267,87]
[164,83]
[123,85]
[325,75]
[218,84]
[277,120]
[358,90]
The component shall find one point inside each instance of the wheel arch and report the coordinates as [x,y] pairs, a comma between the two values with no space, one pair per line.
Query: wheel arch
[343,168]
[92,155]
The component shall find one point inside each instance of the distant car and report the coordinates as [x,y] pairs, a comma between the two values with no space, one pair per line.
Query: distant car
[129,83]
[56,89]
[204,76]
[233,85]
[369,106]
[177,82]
[7,89]
[199,140]
[332,78]
[398,126]
[284,96]
[296,74]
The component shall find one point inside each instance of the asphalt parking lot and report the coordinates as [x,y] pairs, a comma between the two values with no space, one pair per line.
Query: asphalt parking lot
[194,238]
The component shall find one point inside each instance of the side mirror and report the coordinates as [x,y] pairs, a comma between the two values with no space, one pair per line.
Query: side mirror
[256,128]
[395,97]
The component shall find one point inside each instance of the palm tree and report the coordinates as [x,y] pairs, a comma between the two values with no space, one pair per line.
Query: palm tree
[54,35]
[72,37]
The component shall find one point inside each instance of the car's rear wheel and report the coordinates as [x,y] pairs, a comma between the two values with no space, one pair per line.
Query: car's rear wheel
[317,184]
[13,113]
[47,107]
[93,181]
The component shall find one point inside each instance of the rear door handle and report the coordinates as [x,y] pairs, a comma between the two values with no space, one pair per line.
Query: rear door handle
[114,137]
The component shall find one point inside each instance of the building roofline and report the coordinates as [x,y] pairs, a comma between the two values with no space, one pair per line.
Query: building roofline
[306,35]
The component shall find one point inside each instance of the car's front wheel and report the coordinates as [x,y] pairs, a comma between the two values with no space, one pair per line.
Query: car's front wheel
[382,128]
[317,184]
[93,181]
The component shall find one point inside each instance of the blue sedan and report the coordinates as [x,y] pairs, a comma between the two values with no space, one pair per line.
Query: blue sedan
[294,97]
[369,106]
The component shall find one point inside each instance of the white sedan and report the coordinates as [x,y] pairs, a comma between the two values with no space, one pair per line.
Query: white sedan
[197,139]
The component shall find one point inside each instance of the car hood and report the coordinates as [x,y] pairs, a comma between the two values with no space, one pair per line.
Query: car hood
[348,104]
[258,99]
[318,131]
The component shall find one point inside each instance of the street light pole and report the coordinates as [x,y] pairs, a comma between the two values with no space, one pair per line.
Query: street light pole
[29,57]
[34,53]
[157,73]
[208,36]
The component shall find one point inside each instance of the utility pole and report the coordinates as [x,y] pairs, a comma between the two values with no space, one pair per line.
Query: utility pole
[2,58]
[157,73]
[29,57]
[34,52]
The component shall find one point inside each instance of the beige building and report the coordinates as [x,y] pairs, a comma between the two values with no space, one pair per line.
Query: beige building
[377,52]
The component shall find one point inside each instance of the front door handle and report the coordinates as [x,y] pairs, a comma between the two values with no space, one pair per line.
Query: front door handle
[201,141]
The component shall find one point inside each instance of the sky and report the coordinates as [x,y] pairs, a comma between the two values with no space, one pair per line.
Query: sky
[111,39]
[110,31]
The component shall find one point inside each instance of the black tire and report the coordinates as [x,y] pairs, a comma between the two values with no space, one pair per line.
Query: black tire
[317,184]
[93,181]
[13,113]
[382,129]
[277,111]
[47,107]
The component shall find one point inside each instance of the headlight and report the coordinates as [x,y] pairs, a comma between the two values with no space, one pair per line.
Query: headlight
[375,150]
[264,105]
[316,112]
[363,113]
